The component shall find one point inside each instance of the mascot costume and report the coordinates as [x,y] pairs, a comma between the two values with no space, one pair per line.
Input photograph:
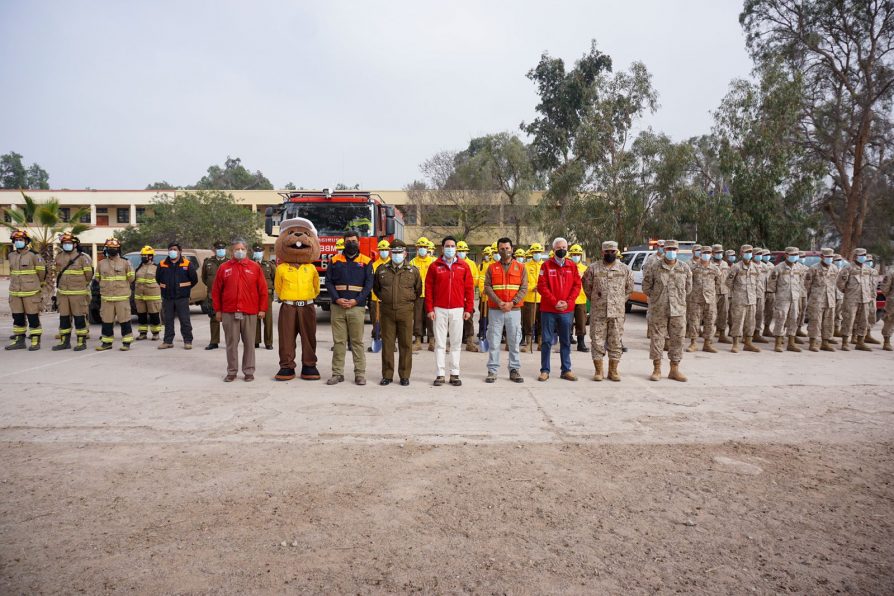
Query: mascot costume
[297,285]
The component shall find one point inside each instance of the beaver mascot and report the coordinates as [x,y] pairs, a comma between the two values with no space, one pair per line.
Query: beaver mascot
[297,285]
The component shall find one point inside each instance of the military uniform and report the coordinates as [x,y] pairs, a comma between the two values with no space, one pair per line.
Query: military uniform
[209,272]
[743,283]
[769,298]
[787,285]
[763,274]
[821,283]
[398,288]
[269,270]
[147,298]
[608,285]
[667,286]
[859,296]
[870,312]
[27,273]
[74,270]
[701,307]
[887,289]
[115,275]
[722,317]
[839,296]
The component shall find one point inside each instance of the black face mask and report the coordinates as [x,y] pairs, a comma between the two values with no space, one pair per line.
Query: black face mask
[352,248]
[112,252]
[561,253]
[146,259]
[609,257]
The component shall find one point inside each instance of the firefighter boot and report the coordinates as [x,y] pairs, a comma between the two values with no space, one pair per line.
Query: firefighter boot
[64,344]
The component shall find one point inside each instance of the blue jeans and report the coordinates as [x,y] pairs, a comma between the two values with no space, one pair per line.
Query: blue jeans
[496,320]
[552,324]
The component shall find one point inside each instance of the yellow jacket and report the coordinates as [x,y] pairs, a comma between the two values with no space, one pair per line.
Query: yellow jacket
[533,269]
[375,266]
[296,283]
[582,296]
[422,264]
[476,274]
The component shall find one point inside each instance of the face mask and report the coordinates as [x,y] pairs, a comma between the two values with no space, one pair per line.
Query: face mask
[220,252]
[827,260]
[718,257]
[706,257]
[397,258]
[671,255]
[537,256]
[747,256]
[146,259]
[173,254]
[383,254]
[766,258]
[19,244]
[696,254]
[609,257]
[861,259]
[112,252]
[68,247]
[239,254]
[560,254]
[839,264]
[351,248]
[506,255]
[520,259]
[449,252]
[660,252]
[462,255]
[422,252]
[870,263]
[802,260]
[576,258]
[257,256]
[792,259]
[732,259]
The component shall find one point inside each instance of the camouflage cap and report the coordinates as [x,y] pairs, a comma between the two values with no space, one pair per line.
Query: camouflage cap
[609,245]
[828,252]
[729,252]
[696,247]
[801,253]
[837,256]
[747,248]
[671,244]
[717,248]
[661,243]
[791,250]
[859,251]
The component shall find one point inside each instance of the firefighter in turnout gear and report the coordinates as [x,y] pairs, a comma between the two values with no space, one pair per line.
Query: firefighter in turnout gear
[531,308]
[147,295]
[576,252]
[269,270]
[74,270]
[383,249]
[209,272]
[462,253]
[114,275]
[27,273]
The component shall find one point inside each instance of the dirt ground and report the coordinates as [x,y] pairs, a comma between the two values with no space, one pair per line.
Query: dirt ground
[143,472]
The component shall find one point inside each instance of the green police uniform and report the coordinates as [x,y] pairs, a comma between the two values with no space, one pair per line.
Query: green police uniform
[269,269]
[209,272]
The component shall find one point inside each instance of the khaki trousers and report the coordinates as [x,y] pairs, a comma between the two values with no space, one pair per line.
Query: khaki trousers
[234,331]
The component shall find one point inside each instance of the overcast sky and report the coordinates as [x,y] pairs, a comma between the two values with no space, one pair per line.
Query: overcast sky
[120,94]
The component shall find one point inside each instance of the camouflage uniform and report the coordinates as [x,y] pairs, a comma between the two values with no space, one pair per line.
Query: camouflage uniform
[769,301]
[822,288]
[764,270]
[608,287]
[859,296]
[888,326]
[701,308]
[787,285]
[723,295]
[209,272]
[667,286]
[743,284]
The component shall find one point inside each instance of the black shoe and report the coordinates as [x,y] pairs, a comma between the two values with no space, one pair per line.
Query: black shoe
[268,346]
[257,346]
[285,374]
[213,347]
[404,382]
[384,382]
[454,380]
[582,345]
[438,381]
[490,378]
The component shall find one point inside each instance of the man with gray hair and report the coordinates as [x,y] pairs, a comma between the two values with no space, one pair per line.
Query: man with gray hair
[558,284]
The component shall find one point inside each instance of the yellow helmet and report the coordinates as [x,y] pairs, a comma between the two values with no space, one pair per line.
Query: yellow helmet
[147,251]
[488,250]
[340,244]
[422,242]
[536,247]
[528,254]
[552,253]
[383,245]
[519,252]
[461,245]
[493,247]
[576,249]
[431,245]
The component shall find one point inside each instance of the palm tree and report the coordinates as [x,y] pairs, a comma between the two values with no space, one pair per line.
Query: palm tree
[44,222]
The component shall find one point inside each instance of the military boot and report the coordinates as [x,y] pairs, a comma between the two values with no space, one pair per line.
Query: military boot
[750,347]
[613,370]
[861,344]
[692,347]
[797,339]
[675,373]
[767,331]
[837,332]
[792,344]
[35,343]
[597,362]
[582,344]
[887,345]
[709,347]
[758,339]
[779,344]
[814,345]
[723,339]
[869,339]
[735,348]
[845,345]
[800,333]
[656,371]
[417,344]
[825,346]
[82,344]
[64,344]
[17,343]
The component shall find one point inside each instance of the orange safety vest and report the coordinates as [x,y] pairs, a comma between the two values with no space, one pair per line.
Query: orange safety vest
[506,283]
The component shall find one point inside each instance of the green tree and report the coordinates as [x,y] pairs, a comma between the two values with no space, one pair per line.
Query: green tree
[843,51]
[233,176]
[163,185]
[44,221]
[194,218]
[14,174]
[343,186]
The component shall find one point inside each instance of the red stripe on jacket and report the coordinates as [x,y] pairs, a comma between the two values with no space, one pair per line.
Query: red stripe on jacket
[449,286]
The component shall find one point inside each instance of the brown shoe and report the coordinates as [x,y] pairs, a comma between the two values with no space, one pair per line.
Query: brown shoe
[675,373]
[438,381]
[568,376]
[692,346]
[229,378]
[792,344]
[598,364]
[164,346]
[709,347]
[360,380]
[431,346]
[471,346]
[515,376]
[845,345]
[417,344]
[814,345]
[758,339]
[825,346]
[656,371]
[455,380]
[750,347]
[613,370]
[249,378]
[868,339]
[544,376]
[887,345]
[335,380]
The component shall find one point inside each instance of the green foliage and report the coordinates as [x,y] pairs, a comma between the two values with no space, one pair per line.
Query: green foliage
[195,219]
[233,176]
[163,185]
[14,174]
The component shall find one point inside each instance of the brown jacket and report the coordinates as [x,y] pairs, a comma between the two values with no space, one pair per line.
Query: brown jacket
[397,287]
[26,273]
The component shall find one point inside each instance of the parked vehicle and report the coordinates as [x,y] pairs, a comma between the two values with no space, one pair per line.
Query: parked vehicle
[635,259]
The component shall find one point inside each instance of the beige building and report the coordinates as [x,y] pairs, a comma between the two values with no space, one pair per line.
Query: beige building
[114,210]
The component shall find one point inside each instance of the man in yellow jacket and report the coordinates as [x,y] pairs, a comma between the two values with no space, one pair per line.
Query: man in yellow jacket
[531,309]
[421,324]
[580,305]
[384,254]
[462,252]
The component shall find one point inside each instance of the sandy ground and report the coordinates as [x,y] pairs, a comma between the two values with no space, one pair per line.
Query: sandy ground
[143,472]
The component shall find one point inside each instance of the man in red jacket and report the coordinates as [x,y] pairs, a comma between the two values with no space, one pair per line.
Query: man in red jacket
[558,284]
[239,295]
[449,297]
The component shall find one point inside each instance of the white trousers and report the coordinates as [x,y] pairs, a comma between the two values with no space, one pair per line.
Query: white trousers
[448,323]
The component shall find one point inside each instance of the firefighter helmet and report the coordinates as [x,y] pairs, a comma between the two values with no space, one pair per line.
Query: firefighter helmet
[112,243]
[461,245]
[147,251]
[20,235]
[383,245]
[576,249]
[422,242]
[493,247]
[536,247]
[340,244]
[488,250]
[519,252]
[68,237]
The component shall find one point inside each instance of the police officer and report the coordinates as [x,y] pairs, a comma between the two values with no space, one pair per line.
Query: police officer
[859,296]
[115,276]
[384,251]
[209,272]
[576,252]
[74,270]
[27,273]
[398,285]
[822,288]
[787,286]
[743,285]
[147,295]
[608,284]
[667,286]
[268,267]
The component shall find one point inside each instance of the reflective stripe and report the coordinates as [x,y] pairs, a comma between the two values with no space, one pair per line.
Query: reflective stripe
[40,268]
[113,278]
[507,287]
[147,298]
[36,331]
[74,272]
[73,292]
[350,288]
[24,294]
[19,330]
[23,272]
[145,280]
[115,298]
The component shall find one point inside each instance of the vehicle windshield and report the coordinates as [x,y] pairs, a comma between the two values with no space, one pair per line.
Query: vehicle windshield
[333,219]
[135,259]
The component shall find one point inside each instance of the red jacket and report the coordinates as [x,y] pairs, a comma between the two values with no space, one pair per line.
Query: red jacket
[449,286]
[239,286]
[558,282]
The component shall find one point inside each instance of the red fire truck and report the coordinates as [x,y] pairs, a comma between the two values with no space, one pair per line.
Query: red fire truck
[333,212]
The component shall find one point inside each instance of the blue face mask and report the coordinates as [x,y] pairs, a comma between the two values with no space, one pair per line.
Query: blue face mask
[732,259]
[840,263]
[173,254]
[257,256]
[68,247]
[19,244]
[397,258]
[747,256]
[220,252]
[462,254]
[576,258]
[706,256]
[827,260]
[870,263]
[449,251]
[422,252]
[520,259]
[767,258]
[792,259]
[383,254]
[537,256]
[696,254]
[718,257]
[671,255]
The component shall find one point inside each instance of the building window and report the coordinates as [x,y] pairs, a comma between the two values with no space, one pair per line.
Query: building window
[409,213]
[123,215]
[86,217]
[141,214]
[65,214]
